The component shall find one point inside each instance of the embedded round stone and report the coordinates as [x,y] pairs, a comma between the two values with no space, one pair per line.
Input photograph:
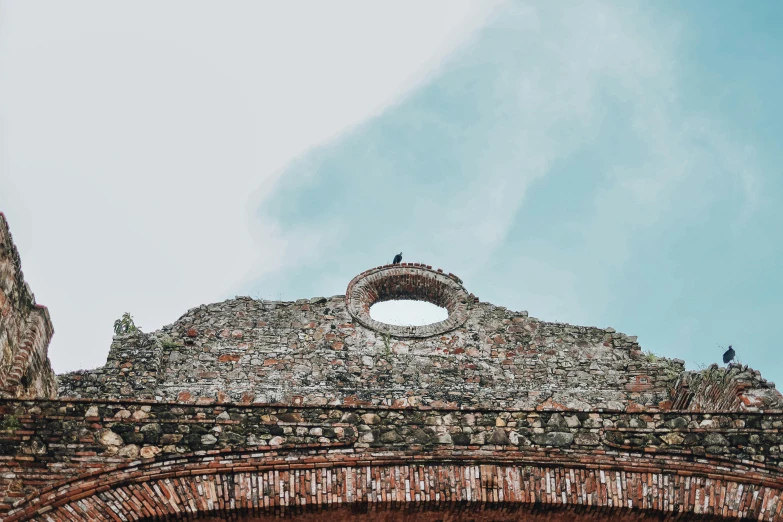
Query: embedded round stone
[408,281]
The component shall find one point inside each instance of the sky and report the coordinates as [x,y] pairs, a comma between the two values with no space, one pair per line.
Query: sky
[602,164]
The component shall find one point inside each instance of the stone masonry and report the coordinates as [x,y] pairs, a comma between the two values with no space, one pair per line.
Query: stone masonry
[25,330]
[87,459]
[314,352]
[255,410]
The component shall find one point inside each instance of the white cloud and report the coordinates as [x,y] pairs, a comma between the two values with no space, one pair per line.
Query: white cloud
[134,136]
[684,157]
[546,96]
[539,101]
[579,60]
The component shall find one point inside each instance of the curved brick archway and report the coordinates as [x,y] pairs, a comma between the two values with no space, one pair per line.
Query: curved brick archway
[408,281]
[258,487]
[167,461]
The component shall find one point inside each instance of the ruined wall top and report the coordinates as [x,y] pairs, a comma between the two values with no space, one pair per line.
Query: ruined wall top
[323,351]
[25,330]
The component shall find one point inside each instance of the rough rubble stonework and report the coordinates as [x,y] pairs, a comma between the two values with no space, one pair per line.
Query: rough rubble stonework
[313,352]
[25,330]
[255,410]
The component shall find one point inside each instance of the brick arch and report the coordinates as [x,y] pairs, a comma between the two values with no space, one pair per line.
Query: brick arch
[408,281]
[256,487]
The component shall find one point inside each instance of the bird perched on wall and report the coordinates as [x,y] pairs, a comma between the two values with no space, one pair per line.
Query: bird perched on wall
[397,259]
[728,355]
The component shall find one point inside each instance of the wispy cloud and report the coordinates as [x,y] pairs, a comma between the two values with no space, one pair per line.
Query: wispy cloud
[465,149]
[557,164]
[133,137]
[553,159]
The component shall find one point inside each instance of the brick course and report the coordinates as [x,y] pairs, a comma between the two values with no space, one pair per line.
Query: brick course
[600,494]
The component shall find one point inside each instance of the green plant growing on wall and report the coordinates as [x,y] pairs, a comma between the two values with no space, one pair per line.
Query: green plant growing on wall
[386,341]
[714,375]
[650,357]
[671,373]
[711,375]
[11,422]
[125,325]
[168,343]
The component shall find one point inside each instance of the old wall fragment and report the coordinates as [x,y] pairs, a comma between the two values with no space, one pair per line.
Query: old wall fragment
[734,388]
[25,330]
[314,352]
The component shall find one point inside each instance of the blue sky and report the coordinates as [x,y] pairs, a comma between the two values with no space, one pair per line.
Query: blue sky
[608,165]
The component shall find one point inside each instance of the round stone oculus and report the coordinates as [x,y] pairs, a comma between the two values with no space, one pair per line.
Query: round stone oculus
[407,281]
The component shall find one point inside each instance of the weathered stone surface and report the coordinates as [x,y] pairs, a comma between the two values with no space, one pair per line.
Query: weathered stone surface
[553,438]
[587,439]
[390,436]
[557,421]
[25,330]
[316,353]
[715,439]
[460,439]
[443,438]
[151,433]
[677,423]
[371,418]
[498,437]
[109,438]
[673,438]
[131,451]
[148,452]
[420,436]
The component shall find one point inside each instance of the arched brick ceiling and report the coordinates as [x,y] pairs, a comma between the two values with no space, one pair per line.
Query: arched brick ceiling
[581,488]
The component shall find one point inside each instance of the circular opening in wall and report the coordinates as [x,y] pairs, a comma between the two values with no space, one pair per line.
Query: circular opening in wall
[418,290]
[408,313]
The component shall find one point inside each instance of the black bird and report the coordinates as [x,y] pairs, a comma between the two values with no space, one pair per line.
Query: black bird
[728,355]
[397,258]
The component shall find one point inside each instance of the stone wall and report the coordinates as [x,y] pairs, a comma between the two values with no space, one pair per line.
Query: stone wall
[131,371]
[252,409]
[315,352]
[79,460]
[735,388]
[25,330]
